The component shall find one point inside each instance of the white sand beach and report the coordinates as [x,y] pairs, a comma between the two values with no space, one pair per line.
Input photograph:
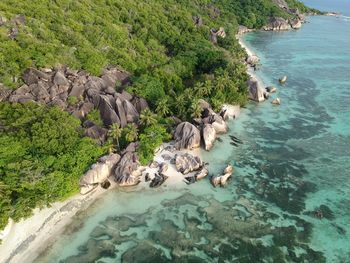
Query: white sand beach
[27,239]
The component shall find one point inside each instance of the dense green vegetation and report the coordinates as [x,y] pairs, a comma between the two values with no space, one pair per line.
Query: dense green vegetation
[42,157]
[172,60]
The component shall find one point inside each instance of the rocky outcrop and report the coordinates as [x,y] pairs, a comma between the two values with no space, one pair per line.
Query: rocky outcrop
[127,172]
[221,180]
[253,60]
[209,136]
[187,136]
[4,93]
[243,29]
[218,123]
[215,33]
[279,23]
[230,111]
[256,92]
[98,173]
[187,163]
[295,23]
[97,133]
[57,87]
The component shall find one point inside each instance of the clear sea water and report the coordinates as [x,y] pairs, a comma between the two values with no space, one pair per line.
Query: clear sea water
[295,160]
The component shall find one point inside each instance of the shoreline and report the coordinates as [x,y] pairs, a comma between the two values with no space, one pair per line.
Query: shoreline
[30,237]
[250,52]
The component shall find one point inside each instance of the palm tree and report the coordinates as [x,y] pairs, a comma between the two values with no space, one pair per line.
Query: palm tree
[208,86]
[196,110]
[115,132]
[163,107]
[130,132]
[147,118]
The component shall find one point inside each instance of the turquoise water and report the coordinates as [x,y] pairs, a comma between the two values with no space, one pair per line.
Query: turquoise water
[295,160]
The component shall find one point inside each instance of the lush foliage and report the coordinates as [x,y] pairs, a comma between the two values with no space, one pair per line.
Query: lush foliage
[151,138]
[172,60]
[42,156]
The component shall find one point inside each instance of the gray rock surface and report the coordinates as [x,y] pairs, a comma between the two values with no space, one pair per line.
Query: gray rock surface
[187,163]
[256,91]
[209,136]
[187,136]
[126,173]
[98,173]
[221,180]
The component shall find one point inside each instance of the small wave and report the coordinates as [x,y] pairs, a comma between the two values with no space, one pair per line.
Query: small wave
[344,18]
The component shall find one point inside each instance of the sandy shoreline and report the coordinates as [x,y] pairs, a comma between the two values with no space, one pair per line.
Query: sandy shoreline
[27,239]
[250,52]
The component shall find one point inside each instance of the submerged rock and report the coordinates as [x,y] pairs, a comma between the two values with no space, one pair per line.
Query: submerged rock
[187,136]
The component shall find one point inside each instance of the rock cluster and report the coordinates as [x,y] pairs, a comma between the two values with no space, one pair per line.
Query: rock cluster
[256,91]
[215,33]
[221,180]
[279,23]
[79,93]
[124,169]
[98,173]
[187,163]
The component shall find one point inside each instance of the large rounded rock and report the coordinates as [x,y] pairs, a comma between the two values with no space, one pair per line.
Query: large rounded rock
[230,111]
[127,173]
[187,136]
[98,173]
[97,133]
[256,91]
[277,24]
[131,113]
[218,124]
[107,112]
[209,136]
[121,112]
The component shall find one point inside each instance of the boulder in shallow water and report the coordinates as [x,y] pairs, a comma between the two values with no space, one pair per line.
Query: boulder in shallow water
[209,136]
[221,180]
[276,101]
[283,79]
[187,136]
[271,89]
[256,92]
[230,111]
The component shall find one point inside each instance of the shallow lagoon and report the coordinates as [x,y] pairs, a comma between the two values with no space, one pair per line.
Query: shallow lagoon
[295,159]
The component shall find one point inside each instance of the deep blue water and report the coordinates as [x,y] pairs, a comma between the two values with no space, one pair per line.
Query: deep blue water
[342,6]
[295,160]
